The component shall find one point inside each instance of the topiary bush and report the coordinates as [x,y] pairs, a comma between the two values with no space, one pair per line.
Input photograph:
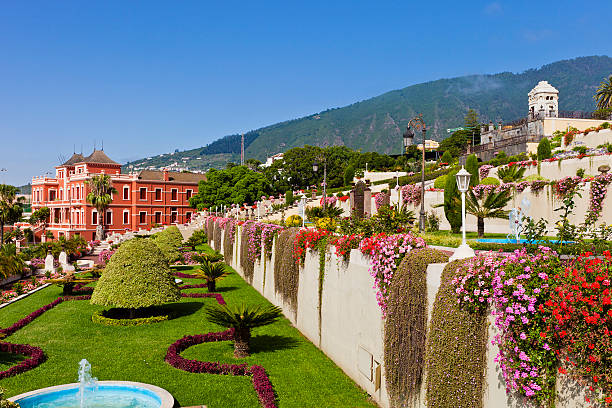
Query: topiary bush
[455,351]
[452,203]
[440,182]
[544,149]
[286,269]
[405,326]
[137,276]
[490,181]
[471,165]
[169,241]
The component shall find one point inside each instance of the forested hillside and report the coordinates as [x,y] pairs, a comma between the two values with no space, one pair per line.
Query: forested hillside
[376,124]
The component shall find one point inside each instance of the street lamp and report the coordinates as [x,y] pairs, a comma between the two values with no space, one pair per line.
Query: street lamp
[303,208]
[463,183]
[408,135]
[315,168]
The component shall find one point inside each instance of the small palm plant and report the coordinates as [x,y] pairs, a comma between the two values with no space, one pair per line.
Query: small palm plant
[242,319]
[489,206]
[211,272]
[509,174]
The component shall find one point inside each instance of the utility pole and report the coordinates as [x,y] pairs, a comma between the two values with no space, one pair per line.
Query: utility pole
[242,151]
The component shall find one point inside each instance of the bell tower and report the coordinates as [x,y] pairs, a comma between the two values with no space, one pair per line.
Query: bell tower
[543,101]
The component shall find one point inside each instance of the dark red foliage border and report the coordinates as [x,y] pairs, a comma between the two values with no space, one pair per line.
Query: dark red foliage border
[37,356]
[197,286]
[261,381]
[185,275]
[217,296]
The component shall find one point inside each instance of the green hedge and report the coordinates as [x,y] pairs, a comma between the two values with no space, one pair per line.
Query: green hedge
[456,350]
[99,317]
[405,326]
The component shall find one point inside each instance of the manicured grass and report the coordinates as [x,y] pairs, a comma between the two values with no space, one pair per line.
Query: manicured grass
[302,375]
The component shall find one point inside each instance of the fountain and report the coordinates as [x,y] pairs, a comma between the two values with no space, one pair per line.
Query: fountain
[91,393]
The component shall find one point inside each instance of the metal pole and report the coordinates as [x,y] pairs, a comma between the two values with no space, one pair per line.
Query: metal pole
[325,184]
[422,214]
[463,217]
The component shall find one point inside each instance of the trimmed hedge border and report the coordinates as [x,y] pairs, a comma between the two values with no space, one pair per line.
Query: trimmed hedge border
[98,317]
[406,325]
[456,350]
[261,381]
[37,357]
[217,296]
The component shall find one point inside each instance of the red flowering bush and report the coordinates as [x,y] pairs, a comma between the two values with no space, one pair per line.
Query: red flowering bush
[581,312]
[307,238]
[345,243]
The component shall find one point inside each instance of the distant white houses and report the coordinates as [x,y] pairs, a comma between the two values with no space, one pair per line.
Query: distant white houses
[272,159]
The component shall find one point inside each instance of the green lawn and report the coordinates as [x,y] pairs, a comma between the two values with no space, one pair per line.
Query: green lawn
[302,375]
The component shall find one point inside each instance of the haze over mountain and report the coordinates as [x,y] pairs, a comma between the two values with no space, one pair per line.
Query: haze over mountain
[376,124]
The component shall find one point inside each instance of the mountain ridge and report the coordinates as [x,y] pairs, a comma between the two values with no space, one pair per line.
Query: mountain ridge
[376,124]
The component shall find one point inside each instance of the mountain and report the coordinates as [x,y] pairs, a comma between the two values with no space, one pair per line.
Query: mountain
[376,124]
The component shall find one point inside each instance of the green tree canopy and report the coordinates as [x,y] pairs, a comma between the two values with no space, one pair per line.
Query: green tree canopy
[136,276]
[603,96]
[10,207]
[471,165]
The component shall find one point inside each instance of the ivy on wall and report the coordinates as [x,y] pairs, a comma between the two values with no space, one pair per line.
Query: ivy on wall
[406,325]
[286,270]
[228,241]
[246,263]
[455,351]
[217,235]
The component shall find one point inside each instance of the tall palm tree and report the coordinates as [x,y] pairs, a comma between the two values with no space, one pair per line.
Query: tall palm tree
[10,207]
[603,96]
[211,272]
[489,206]
[242,319]
[10,263]
[40,216]
[100,196]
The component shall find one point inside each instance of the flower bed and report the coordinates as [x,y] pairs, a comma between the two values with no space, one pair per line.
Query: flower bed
[261,381]
[218,297]
[37,357]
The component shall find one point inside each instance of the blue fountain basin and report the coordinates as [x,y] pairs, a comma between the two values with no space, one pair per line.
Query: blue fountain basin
[109,394]
[520,241]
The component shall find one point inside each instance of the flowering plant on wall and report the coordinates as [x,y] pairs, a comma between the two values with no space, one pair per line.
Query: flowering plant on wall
[483,171]
[411,194]
[343,198]
[386,253]
[307,238]
[345,243]
[329,200]
[381,199]
[599,190]
[566,185]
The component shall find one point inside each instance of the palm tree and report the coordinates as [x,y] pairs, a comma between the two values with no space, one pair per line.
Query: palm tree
[242,319]
[10,207]
[489,206]
[100,197]
[509,174]
[603,96]
[40,216]
[10,263]
[211,272]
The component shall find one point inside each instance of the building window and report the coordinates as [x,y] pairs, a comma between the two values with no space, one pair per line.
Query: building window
[143,193]
[158,194]
[52,196]
[173,216]
[126,192]
[158,217]
[142,217]
[94,217]
[187,216]
[188,194]
[126,217]
[109,217]
[174,194]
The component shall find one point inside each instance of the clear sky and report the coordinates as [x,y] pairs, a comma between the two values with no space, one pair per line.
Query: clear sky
[148,77]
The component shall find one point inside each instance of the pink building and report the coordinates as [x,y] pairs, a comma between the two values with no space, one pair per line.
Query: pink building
[143,199]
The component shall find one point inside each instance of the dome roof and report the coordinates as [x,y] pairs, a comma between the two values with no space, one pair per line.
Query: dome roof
[543,87]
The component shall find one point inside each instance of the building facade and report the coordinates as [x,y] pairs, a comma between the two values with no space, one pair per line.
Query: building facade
[142,199]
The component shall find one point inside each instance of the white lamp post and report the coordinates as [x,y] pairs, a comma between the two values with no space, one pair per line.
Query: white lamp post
[463,183]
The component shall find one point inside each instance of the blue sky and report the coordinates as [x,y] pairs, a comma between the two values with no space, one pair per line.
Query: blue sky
[149,77]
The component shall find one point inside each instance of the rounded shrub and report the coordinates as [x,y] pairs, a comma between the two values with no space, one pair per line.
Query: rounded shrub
[446,157]
[293,221]
[440,182]
[113,318]
[136,276]
[490,181]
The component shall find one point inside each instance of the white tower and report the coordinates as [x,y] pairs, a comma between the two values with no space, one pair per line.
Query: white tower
[543,101]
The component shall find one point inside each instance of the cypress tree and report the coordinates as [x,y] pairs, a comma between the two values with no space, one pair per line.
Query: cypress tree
[452,202]
[471,165]
[544,150]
